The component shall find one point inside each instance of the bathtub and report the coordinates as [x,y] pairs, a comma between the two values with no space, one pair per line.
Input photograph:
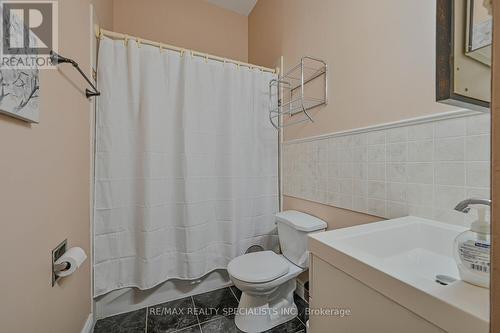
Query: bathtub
[130,299]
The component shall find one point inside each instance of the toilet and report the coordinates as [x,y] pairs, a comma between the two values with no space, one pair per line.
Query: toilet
[267,279]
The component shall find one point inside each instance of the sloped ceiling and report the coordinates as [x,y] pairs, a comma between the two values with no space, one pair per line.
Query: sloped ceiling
[243,7]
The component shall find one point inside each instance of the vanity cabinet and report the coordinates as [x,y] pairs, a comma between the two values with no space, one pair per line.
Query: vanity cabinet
[370,311]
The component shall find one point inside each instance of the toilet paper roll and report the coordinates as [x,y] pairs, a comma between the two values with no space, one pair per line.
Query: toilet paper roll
[74,257]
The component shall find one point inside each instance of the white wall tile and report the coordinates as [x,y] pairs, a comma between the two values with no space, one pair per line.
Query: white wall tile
[333,185]
[359,204]
[478,124]
[359,139]
[478,193]
[345,186]
[359,170]
[333,199]
[422,170]
[422,211]
[359,187]
[448,197]
[346,170]
[332,153]
[421,131]
[397,152]
[322,197]
[398,134]
[345,141]
[478,174]
[421,173]
[420,151]
[375,137]
[397,191]
[322,170]
[449,128]
[451,149]
[376,190]
[345,201]
[344,155]
[375,171]
[450,173]
[333,170]
[376,207]
[375,153]
[359,154]
[396,172]
[477,148]
[323,151]
[323,184]
[449,216]
[396,209]
[419,194]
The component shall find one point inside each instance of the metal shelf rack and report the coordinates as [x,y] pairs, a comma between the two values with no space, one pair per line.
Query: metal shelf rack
[294,100]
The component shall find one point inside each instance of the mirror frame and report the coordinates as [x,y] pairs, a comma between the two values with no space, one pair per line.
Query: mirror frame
[445,90]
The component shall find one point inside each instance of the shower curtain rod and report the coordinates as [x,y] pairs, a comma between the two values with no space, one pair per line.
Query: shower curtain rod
[116,35]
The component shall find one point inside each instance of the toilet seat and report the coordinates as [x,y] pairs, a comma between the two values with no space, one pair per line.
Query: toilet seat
[258,267]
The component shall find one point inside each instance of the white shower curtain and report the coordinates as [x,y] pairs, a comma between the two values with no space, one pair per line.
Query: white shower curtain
[185,166]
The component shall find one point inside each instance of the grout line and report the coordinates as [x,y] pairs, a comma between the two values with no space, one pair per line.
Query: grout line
[184,328]
[298,317]
[197,318]
[147,311]
[213,319]
[232,292]
[196,313]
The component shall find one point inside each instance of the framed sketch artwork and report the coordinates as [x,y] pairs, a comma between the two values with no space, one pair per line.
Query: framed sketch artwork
[19,85]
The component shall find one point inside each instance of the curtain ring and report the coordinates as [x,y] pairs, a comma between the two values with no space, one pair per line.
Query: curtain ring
[125,40]
[182,52]
[138,40]
[206,58]
[161,48]
[101,34]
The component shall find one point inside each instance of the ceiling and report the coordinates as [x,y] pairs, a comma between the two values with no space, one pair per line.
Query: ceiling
[243,7]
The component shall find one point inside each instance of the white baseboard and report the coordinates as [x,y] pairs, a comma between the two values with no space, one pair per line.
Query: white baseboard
[89,324]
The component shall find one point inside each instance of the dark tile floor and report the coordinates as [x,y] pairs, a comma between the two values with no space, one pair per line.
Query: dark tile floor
[203,313]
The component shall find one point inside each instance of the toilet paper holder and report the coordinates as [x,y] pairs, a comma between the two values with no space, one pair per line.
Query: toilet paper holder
[61,267]
[57,252]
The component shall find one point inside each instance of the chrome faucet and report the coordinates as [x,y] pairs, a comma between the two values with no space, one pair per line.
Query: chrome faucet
[464,206]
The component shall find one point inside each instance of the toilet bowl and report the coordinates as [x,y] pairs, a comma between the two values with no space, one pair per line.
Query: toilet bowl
[267,279]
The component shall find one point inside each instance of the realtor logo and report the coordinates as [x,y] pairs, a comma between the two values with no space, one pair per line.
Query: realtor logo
[29,33]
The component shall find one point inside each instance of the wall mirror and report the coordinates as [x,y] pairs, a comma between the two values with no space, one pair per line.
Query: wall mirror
[463,53]
[478,30]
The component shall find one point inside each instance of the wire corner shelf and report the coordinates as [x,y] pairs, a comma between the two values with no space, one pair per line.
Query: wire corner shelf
[300,89]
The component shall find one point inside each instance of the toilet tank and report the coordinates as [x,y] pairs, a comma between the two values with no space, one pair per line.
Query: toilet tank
[293,228]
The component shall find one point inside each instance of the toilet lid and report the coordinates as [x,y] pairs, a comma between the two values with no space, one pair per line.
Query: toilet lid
[258,267]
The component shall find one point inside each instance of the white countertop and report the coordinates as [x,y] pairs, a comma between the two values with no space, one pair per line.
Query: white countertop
[400,259]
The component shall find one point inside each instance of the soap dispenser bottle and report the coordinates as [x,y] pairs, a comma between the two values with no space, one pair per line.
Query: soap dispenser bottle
[472,250]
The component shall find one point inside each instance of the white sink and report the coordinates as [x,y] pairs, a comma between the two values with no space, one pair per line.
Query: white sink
[411,252]
[412,249]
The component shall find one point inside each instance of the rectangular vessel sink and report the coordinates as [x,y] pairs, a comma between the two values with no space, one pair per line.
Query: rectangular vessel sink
[401,258]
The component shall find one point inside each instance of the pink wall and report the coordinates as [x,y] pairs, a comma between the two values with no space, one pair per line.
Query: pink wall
[381,58]
[44,193]
[192,24]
